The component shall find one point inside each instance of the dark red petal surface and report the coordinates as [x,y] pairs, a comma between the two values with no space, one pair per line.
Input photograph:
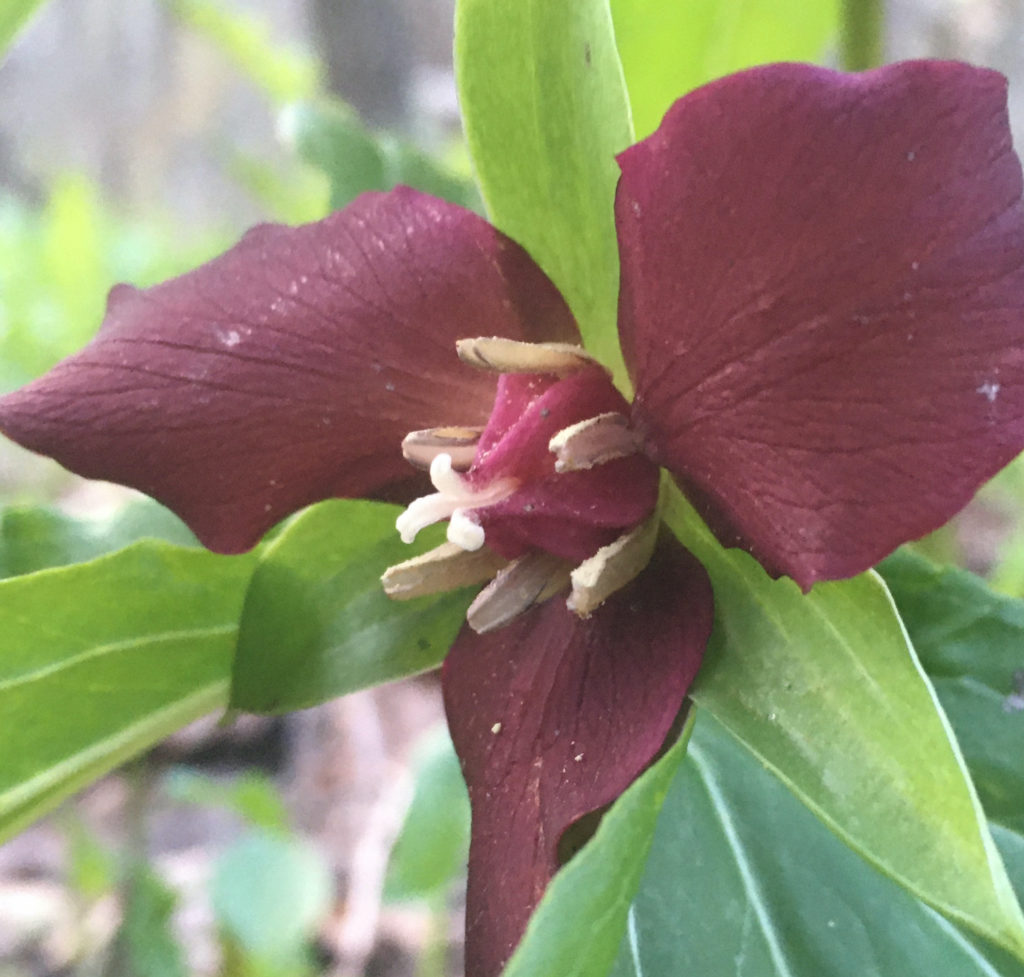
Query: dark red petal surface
[289,369]
[552,718]
[822,304]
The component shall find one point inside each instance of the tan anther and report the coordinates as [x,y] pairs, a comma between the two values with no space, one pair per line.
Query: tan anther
[592,442]
[446,567]
[420,448]
[612,567]
[530,580]
[512,356]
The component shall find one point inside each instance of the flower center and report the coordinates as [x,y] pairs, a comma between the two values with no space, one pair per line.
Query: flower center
[454,498]
[552,482]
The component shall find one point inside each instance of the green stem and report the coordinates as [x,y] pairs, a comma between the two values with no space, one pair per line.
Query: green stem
[861,34]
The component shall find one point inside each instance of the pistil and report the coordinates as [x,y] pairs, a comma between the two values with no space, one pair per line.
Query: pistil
[454,500]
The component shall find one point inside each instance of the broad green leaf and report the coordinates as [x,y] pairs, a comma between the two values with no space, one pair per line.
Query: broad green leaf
[103,659]
[328,135]
[743,879]
[545,112]
[14,14]
[316,622]
[970,641]
[270,893]
[825,689]
[578,926]
[667,49]
[37,538]
[433,845]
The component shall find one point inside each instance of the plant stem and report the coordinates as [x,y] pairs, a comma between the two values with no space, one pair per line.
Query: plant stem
[861,34]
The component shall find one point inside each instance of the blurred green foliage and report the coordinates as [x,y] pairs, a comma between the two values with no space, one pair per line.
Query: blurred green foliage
[14,14]
[327,134]
[270,893]
[57,263]
[251,795]
[430,852]
[283,73]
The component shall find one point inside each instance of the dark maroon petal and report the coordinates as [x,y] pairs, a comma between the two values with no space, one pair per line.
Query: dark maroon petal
[288,370]
[553,717]
[822,304]
[573,514]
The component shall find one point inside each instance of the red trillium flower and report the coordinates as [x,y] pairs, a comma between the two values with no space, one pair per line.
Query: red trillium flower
[822,286]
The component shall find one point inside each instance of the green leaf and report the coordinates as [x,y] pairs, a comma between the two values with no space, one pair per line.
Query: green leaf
[825,690]
[103,659]
[667,49]
[970,641]
[328,134]
[271,893]
[14,14]
[316,622]
[432,848]
[545,111]
[743,879]
[578,926]
[37,538]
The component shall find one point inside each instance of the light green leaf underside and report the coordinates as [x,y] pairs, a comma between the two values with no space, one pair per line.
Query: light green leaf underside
[545,111]
[744,880]
[577,928]
[100,660]
[825,689]
[969,639]
[316,622]
[668,49]
[37,537]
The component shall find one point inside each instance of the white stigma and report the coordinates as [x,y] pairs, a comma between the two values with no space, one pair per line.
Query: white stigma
[454,499]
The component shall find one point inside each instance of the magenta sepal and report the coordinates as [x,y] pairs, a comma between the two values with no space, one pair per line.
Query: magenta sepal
[289,369]
[822,304]
[552,718]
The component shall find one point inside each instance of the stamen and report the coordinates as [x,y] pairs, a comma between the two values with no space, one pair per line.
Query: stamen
[511,356]
[454,498]
[530,580]
[446,567]
[612,567]
[592,442]
[420,448]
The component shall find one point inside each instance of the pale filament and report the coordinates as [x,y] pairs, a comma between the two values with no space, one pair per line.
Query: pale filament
[454,499]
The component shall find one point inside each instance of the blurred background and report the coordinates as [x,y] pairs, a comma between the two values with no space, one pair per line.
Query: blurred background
[137,140]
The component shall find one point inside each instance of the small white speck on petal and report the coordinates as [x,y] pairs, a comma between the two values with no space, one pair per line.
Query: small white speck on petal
[989,390]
